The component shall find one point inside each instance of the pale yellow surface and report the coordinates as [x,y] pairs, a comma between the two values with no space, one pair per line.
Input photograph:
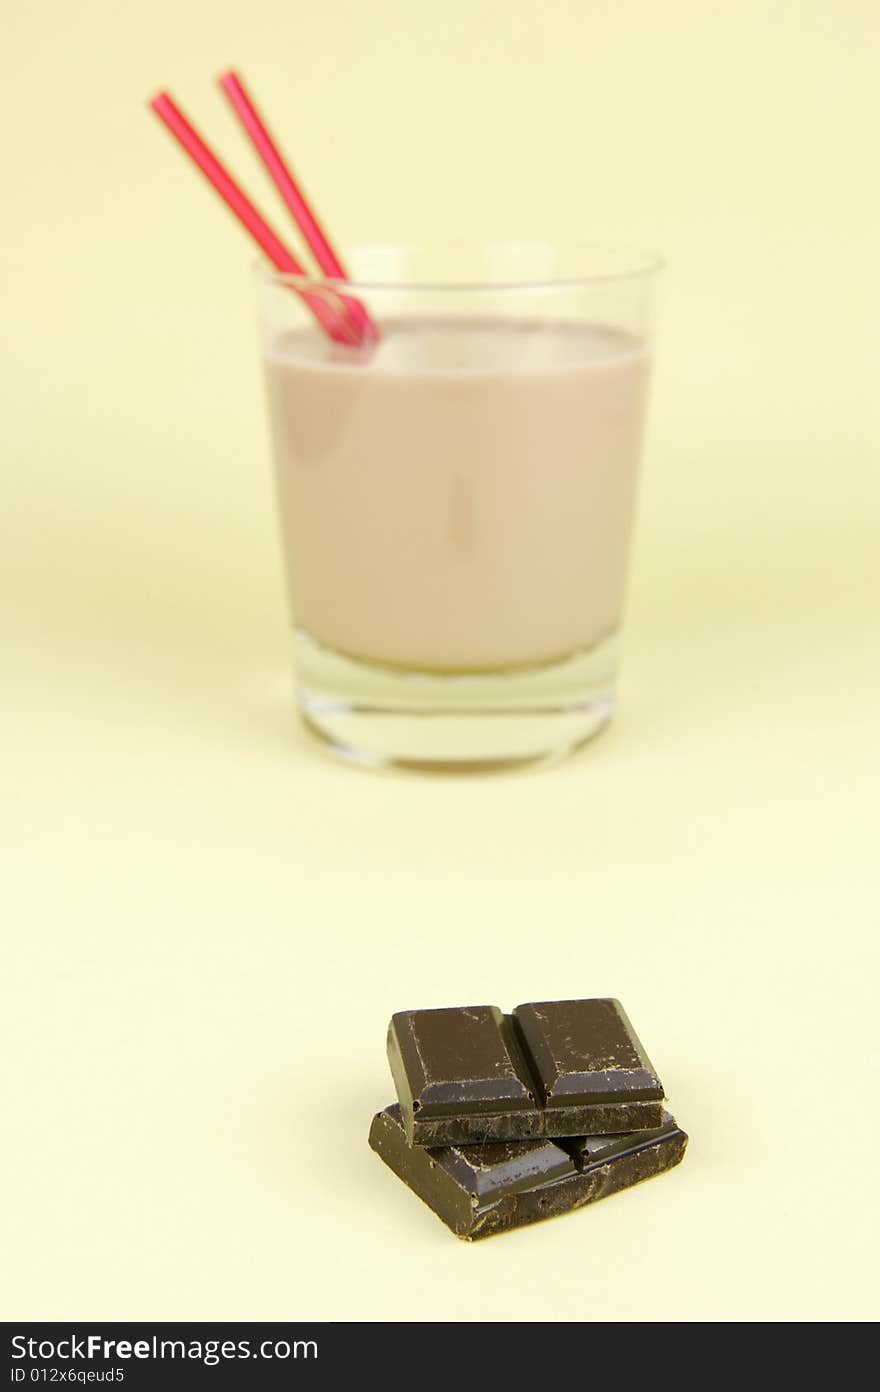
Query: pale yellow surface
[207,924]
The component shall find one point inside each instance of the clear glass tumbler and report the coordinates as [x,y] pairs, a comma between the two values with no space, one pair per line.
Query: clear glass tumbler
[456,500]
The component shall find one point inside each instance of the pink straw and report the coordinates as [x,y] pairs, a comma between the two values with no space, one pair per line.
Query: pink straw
[282,177]
[332,321]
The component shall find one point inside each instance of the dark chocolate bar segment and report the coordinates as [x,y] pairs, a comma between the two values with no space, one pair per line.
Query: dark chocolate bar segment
[471,1075]
[491,1172]
[456,1064]
[481,1190]
[589,1065]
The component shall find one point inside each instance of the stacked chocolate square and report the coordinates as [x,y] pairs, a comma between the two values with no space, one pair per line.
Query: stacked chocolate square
[505,1119]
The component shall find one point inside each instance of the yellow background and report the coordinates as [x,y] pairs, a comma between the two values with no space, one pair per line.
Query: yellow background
[207,923]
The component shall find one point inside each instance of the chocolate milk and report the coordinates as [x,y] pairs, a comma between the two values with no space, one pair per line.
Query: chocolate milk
[461,499]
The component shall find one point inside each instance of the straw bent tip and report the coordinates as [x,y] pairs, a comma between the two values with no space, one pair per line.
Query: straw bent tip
[335,315]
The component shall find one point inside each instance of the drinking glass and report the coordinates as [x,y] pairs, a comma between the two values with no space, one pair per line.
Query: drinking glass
[456,499]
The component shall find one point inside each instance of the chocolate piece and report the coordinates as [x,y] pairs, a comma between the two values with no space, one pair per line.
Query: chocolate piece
[471,1075]
[585,1050]
[481,1190]
[459,1074]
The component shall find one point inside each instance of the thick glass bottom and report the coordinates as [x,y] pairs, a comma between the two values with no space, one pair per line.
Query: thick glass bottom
[454,723]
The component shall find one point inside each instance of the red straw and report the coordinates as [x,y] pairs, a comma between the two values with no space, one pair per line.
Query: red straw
[282,177]
[333,321]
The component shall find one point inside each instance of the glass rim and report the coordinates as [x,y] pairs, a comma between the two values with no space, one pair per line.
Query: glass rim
[638,265]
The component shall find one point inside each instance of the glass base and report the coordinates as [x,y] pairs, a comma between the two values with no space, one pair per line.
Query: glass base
[451,723]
